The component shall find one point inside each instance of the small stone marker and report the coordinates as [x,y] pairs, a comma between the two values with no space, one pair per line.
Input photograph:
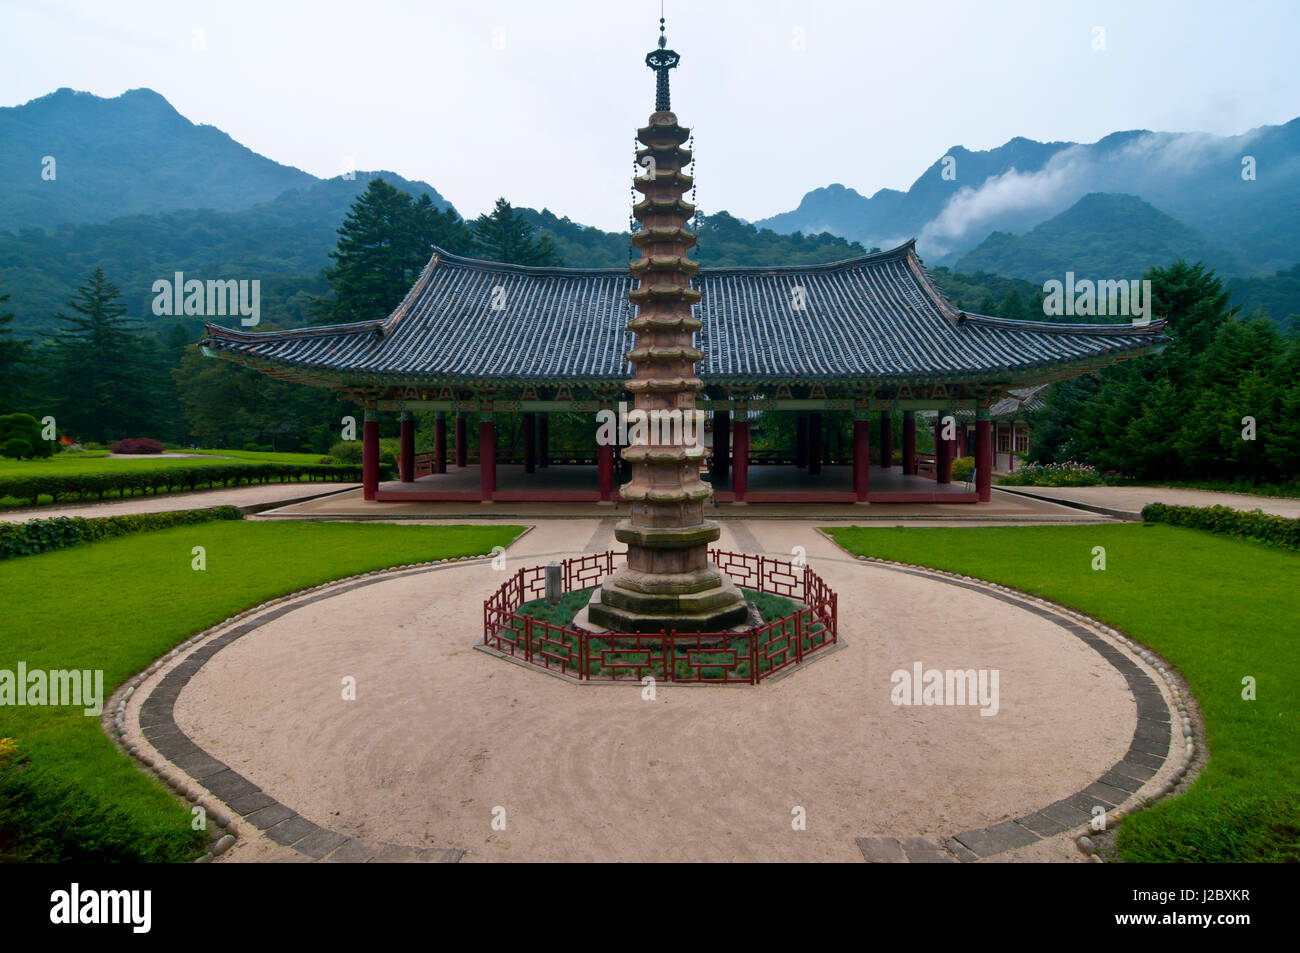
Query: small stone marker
[554,583]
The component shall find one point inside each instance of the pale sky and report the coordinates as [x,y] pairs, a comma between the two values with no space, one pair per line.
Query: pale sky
[539,101]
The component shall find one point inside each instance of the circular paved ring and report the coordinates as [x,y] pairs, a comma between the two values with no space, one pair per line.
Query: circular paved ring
[1147,771]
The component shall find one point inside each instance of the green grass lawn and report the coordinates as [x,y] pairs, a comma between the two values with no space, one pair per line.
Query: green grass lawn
[117,605]
[1218,609]
[94,462]
[74,463]
[257,456]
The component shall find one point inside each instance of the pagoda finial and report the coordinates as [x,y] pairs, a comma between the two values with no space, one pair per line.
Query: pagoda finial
[661,61]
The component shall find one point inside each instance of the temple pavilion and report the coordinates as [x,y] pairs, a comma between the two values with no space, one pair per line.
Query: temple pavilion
[874,336]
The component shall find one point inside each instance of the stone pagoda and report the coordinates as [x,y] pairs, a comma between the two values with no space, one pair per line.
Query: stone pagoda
[668,582]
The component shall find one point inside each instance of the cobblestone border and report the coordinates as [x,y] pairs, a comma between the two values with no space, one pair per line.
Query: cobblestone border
[230,798]
[1119,790]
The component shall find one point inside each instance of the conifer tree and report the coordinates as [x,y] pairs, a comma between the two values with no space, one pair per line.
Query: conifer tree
[13,360]
[503,235]
[384,243]
[103,371]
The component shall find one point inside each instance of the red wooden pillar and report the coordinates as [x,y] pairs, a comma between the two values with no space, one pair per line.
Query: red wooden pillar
[887,439]
[462,441]
[942,453]
[605,467]
[815,442]
[487,457]
[909,443]
[983,457]
[721,446]
[440,442]
[961,440]
[370,455]
[740,458]
[861,458]
[543,440]
[406,449]
[530,443]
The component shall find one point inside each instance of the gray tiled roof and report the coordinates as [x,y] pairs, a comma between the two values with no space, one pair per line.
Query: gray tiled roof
[877,317]
[1019,402]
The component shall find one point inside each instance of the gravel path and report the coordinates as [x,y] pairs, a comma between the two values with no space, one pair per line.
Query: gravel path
[1131,499]
[440,736]
[166,502]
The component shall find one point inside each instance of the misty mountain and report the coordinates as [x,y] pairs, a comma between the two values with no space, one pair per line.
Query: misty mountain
[1197,178]
[144,192]
[1277,295]
[129,155]
[890,217]
[1101,236]
[284,243]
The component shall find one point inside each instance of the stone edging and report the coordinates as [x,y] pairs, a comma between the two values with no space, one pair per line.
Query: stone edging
[1127,516]
[231,798]
[1118,789]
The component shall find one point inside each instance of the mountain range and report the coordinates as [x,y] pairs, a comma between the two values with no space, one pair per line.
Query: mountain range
[1240,193]
[130,184]
[1082,240]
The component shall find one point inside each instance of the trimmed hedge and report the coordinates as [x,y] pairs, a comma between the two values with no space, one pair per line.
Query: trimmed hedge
[65,487]
[1257,525]
[41,536]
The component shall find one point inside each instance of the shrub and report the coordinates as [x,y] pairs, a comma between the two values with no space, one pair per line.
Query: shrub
[961,468]
[16,448]
[41,536]
[137,445]
[1262,527]
[258,448]
[95,486]
[26,428]
[346,451]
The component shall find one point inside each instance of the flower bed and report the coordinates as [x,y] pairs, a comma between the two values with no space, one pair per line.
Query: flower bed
[1053,474]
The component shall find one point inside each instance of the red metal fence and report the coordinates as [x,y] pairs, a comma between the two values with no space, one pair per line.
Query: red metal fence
[745,657]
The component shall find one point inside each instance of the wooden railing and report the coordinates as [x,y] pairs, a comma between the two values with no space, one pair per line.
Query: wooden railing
[747,656]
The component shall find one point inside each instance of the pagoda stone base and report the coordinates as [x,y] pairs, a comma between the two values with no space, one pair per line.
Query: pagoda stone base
[717,607]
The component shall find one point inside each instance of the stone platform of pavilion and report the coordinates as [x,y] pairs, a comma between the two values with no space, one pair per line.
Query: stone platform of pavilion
[767,484]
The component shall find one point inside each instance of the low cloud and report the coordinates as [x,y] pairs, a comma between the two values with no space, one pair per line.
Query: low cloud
[1150,165]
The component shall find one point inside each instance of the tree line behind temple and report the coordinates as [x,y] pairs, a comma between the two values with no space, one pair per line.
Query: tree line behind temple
[1177,415]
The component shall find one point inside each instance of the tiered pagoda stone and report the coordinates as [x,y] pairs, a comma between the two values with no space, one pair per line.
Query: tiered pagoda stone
[668,582]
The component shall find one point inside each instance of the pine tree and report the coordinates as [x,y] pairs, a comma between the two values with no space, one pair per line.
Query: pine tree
[103,371]
[13,361]
[1012,306]
[503,235]
[1180,414]
[384,243]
